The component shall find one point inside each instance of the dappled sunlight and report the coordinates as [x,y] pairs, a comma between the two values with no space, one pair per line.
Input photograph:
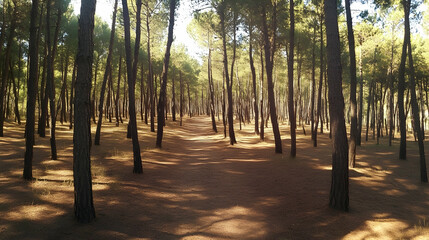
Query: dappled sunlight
[37,212]
[383,228]
[233,222]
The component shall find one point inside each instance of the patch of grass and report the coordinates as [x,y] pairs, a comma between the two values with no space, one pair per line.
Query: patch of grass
[422,226]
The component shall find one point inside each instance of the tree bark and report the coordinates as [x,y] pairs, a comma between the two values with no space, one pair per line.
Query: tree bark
[106,75]
[131,75]
[339,194]
[353,104]
[292,115]
[31,93]
[83,200]
[269,47]
[5,73]
[229,81]
[163,89]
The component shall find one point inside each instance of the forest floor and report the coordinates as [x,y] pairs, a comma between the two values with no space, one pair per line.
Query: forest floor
[199,187]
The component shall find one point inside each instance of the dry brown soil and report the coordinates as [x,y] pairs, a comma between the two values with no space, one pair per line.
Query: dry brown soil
[199,187]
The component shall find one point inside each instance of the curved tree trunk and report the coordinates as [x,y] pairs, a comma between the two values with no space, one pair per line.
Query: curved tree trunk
[163,89]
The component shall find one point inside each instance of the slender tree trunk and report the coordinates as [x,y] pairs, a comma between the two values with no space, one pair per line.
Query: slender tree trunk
[368,112]
[83,201]
[313,84]
[261,135]
[163,89]
[72,87]
[269,47]
[339,194]
[173,98]
[181,98]
[229,80]
[5,73]
[131,75]
[353,104]
[414,104]
[252,68]
[319,93]
[117,114]
[15,94]
[31,93]
[360,109]
[50,85]
[150,73]
[107,72]
[292,116]
[401,89]
[211,87]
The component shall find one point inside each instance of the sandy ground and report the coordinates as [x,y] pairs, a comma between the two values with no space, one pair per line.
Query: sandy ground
[199,187]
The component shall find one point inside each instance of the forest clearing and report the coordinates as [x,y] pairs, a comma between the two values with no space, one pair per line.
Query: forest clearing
[199,187]
[214,119]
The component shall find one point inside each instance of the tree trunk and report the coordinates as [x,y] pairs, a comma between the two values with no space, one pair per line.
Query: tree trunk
[252,68]
[229,81]
[292,116]
[83,201]
[15,94]
[414,104]
[313,84]
[72,87]
[353,104]
[360,111]
[211,87]
[117,114]
[50,85]
[107,72]
[339,194]
[319,93]
[173,98]
[181,98]
[261,135]
[163,89]
[269,47]
[131,75]
[150,73]
[31,93]
[5,73]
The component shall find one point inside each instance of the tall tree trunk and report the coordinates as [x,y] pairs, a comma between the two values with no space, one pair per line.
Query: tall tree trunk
[83,202]
[173,98]
[414,104]
[252,68]
[15,94]
[72,87]
[368,111]
[181,98]
[163,89]
[107,72]
[353,104]
[150,73]
[313,84]
[50,85]
[261,135]
[211,87]
[292,116]
[131,75]
[401,89]
[339,194]
[117,114]
[229,80]
[319,93]
[360,111]
[31,93]
[269,47]
[5,73]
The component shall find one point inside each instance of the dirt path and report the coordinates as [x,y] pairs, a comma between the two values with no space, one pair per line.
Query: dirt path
[199,187]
